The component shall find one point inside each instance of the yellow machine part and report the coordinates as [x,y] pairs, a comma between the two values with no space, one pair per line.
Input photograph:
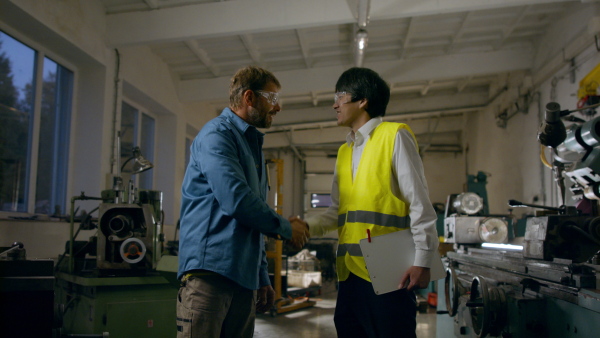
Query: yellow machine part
[589,84]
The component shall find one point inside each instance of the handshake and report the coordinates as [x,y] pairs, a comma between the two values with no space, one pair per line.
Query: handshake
[300,233]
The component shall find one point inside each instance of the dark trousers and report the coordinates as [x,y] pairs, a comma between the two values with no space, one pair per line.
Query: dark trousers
[360,312]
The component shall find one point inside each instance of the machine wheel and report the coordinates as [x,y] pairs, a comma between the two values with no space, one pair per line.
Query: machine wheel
[487,308]
[452,291]
[499,311]
[478,304]
[593,228]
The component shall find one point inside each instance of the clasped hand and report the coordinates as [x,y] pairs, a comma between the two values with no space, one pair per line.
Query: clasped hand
[300,233]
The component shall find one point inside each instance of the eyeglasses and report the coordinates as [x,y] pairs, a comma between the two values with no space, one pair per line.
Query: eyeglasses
[272,97]
[338,96]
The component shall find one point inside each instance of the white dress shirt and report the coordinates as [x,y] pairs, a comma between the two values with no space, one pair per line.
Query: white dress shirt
[407,183]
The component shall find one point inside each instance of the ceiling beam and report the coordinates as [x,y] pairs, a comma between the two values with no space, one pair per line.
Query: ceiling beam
[324,78]
[331,133]
[152,4]
[461,86]
[304,47]
[202,55]
[251,48]
[459,32]
[222,19]
[511,27]
[426,87]
[246,17]
[406,38]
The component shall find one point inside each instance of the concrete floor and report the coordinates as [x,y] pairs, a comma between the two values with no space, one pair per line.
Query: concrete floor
[317,321]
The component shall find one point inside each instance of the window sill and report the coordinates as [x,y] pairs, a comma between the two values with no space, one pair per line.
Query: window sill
[24,217]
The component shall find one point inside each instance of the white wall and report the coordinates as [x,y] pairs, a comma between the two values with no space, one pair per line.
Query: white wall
[445,175]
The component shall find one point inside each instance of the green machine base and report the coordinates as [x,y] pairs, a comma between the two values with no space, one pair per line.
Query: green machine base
[142,306]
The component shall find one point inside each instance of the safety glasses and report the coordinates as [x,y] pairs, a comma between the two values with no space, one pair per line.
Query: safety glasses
[271,97]
[339,95]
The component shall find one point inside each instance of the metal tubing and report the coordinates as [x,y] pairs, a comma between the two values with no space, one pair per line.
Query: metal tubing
[72,226]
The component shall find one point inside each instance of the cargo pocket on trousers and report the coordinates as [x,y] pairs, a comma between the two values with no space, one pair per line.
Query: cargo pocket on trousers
[185,318]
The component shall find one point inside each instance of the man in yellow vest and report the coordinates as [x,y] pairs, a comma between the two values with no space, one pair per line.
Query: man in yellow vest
[379,185]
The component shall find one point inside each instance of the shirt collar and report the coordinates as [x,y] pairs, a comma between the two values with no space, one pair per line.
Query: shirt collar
[363,132]
[240,124]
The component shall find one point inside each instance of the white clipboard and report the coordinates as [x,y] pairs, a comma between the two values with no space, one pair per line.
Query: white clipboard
[389,256]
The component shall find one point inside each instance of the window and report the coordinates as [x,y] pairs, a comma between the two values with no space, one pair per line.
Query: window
[137,130]
[320,200]
[35,114]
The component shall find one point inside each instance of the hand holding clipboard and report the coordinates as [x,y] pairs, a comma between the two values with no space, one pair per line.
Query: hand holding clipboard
[389,256]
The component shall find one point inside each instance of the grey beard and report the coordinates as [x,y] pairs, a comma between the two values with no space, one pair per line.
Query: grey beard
[258,120]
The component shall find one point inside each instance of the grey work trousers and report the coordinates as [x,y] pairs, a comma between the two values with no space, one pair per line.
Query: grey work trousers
[213,306]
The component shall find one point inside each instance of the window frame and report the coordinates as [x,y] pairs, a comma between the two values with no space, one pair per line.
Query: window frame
[141,109]
[31,183]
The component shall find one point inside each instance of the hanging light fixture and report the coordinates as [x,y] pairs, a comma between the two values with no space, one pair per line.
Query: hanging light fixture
[361,38]
[361,42]
[363,13]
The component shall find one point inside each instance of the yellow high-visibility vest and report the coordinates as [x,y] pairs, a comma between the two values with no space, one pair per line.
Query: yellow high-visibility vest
[367,202]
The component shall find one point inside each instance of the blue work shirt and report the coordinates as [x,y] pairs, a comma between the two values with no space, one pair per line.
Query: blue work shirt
[224,213]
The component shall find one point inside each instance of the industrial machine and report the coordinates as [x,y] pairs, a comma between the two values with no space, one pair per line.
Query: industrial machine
[109,285]
[129,236]
[467,219]
[548,285]
[24,282]
[129,239]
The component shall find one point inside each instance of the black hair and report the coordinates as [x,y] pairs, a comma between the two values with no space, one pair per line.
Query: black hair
[364,83]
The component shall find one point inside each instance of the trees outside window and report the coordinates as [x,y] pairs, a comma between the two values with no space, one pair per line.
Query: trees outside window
[34,133]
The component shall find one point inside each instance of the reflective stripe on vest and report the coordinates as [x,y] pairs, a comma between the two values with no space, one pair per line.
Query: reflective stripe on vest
[366,200]
[375,218]
[352,249]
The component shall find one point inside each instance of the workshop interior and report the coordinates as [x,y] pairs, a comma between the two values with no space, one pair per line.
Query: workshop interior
[101,99]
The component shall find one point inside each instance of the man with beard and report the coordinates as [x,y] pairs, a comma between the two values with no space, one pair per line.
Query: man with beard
[224,215]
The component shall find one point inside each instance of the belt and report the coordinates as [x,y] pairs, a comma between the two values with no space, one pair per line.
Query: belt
[196,273]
